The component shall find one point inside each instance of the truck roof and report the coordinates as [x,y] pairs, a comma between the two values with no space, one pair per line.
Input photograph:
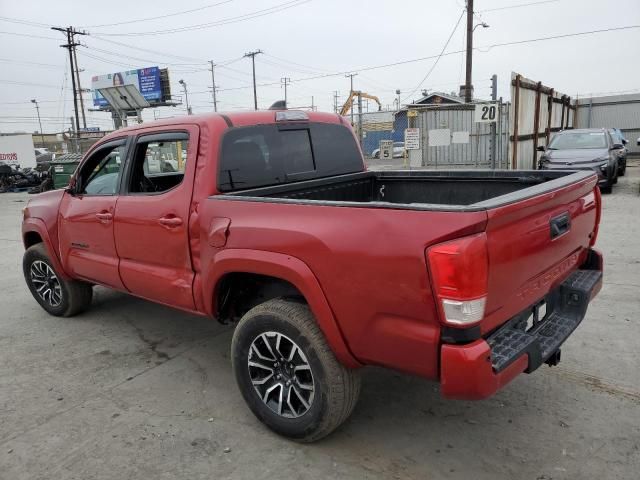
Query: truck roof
[236,119]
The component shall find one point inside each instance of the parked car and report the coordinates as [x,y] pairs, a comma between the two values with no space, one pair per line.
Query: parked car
[398,150]
[468,278]
[618,138]
[584,149]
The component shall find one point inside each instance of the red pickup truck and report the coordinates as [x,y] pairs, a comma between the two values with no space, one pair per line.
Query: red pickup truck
[270,220]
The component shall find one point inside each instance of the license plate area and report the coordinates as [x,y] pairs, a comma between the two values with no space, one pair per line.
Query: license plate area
[537,316]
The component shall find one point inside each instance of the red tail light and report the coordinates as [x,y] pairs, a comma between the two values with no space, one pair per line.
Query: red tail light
[459,272]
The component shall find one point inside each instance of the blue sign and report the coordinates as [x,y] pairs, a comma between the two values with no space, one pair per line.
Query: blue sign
[146,80]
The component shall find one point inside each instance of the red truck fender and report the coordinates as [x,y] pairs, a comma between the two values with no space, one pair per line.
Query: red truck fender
[284,267]
[36,225]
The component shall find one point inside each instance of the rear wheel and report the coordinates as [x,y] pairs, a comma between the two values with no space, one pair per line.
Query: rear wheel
[59,297]
[287,373]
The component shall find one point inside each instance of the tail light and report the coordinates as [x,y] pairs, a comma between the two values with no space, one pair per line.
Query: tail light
[459,272]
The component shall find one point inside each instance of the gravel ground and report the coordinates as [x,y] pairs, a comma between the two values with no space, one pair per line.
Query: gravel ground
[136,390]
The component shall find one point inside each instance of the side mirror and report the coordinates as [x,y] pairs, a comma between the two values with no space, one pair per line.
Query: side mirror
[625,141]
[617,146]
[638,142]
[541,148]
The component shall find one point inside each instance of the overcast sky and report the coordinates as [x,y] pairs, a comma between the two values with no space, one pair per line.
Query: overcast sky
[308,38]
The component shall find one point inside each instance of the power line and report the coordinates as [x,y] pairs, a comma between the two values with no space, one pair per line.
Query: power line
[35,64]
[508,7]
[431,57]
[455,27]
[24,22]
[240,18]
[29,35]
[160,16]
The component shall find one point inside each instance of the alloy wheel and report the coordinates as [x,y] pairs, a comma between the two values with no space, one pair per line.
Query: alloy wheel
[46,283]
[281,374]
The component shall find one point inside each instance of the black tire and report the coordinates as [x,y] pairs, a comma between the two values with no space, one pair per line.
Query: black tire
[74,296]
[335,387]
[608,188]
[622,170]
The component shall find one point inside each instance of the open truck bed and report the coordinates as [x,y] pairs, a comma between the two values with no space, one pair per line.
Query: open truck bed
[420,189]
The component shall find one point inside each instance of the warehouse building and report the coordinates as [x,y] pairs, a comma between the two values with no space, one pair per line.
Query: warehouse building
[616,111]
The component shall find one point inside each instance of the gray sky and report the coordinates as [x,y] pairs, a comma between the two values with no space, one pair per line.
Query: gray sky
[307,39]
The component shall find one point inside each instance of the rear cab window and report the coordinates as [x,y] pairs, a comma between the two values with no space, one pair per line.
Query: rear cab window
[265,155]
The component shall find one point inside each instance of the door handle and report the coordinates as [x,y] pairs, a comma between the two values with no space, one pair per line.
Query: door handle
[170,222]
[104,217]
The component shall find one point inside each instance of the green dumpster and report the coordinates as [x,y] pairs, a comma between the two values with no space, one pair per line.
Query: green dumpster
[62,168]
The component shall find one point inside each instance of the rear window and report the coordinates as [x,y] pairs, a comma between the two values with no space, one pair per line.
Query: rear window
[264,155]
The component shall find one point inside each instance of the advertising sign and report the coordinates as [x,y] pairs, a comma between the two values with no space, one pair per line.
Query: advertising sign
[146,80]
[486,112]
[17,150]
[412,138]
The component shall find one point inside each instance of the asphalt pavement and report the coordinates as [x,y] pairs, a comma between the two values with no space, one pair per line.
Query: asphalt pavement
[134,390]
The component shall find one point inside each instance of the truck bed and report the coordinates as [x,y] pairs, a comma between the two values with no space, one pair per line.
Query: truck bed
[418,189]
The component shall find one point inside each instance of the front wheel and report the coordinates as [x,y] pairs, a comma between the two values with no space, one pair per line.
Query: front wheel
[288,375]
[59,297]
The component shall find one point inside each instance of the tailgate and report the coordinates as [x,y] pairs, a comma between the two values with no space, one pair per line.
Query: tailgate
[535,244]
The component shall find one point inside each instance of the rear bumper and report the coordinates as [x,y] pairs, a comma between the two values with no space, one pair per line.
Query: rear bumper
[478,369]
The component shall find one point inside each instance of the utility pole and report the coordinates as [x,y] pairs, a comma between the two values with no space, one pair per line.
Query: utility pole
[313,107]
[213,86]
[335,100]
[467,84]
[39,122]
[360,136]
[398,94]
[494,97]
[186,95]
[494,87]
[71,46]
[351,75]
[285,81]
[75,61]
[253,66]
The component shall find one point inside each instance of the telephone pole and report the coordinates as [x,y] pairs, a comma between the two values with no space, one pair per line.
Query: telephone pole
[75,61]
[253,66]
[213,86]
[467,84]
[350,76]
[75,79]
[285,81]
[335,101]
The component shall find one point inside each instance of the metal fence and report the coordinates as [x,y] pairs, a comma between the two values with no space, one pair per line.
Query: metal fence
[450,137]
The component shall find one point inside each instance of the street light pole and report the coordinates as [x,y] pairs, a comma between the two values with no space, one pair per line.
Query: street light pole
[34,101]
[186,95]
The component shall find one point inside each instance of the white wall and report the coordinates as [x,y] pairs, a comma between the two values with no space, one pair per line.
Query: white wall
[17,150]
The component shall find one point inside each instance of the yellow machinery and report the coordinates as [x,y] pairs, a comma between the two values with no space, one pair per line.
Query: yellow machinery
[355,94]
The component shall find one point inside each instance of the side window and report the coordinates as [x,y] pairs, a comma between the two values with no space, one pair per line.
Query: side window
[159,163]
[100,174]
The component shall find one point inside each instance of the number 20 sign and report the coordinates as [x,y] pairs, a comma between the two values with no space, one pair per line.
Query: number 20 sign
[486,112]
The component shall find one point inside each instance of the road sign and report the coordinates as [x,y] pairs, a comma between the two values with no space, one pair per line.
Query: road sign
[386,149]
[412,113]
[486,112]
[412,138]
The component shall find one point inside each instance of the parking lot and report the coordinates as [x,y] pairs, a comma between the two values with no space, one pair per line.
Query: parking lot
[131,389]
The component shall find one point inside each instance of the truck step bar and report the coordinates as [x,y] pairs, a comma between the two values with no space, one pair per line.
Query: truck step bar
[540,338]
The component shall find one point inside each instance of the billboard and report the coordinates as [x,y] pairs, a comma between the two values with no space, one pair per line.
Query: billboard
[146,80]
[17,150]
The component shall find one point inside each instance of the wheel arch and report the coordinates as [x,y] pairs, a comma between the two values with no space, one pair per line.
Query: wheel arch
[285,270]
[34,231]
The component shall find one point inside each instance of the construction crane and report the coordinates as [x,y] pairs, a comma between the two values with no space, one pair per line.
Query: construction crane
[354,94]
